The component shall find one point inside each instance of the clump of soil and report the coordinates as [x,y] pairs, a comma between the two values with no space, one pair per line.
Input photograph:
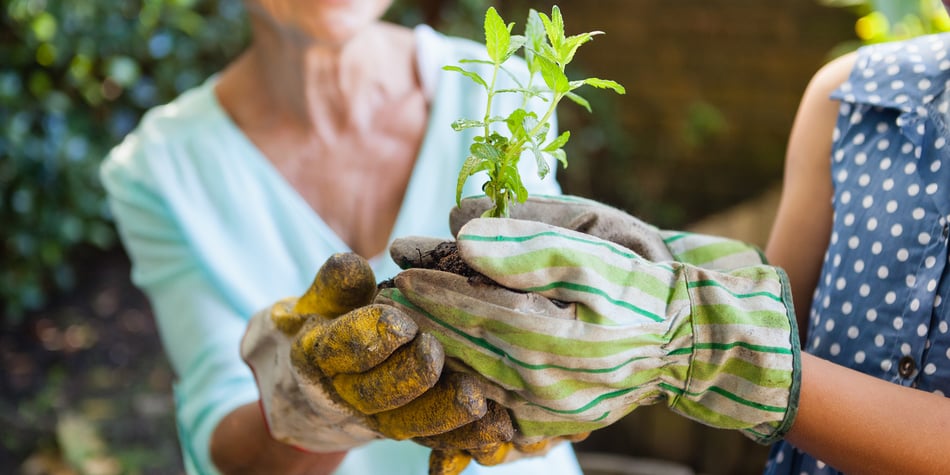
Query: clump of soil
[444,257]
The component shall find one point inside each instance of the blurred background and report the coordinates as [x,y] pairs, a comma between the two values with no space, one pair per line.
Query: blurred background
[697,142]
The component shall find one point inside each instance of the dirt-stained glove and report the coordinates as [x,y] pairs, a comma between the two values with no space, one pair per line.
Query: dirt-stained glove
[619,332]
[597,219]
[335,372]
[490,440]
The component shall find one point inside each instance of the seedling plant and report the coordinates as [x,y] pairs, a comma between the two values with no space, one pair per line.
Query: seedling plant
[547,52]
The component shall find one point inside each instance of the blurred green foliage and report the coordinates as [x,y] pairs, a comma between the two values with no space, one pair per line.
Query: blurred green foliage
[892,20]
[75,77]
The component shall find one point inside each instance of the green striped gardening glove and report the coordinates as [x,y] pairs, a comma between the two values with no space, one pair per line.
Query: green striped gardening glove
[717,347]
[612,224]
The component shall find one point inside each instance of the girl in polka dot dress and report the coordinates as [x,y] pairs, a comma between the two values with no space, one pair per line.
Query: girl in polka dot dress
[864,242]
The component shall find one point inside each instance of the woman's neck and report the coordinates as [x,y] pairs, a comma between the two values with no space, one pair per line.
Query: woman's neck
[314,84]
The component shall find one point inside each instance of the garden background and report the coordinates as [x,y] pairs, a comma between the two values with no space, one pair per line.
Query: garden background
[697,142]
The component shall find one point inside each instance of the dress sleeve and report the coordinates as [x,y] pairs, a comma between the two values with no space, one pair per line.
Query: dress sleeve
[199,328]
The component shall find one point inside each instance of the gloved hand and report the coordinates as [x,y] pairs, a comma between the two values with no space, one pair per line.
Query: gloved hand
[335,372]
[597,219]
[490,440]
[620,331]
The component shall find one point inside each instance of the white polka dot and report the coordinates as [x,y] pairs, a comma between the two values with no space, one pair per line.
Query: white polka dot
[865,290]
[915,305]
[871,315]
[780,457]
[935,166]
[870,86]
[867,202]
[901,98]
[923,84]
[898,323]
[902,255]
[921,330]
[897,230]
[853,332]
[923,238]
[888,184]
[931,285]
[861,158]
[893,70]
[879,341]
[886,365]
[940,142]
[882,272]
[918,214]
[890,297]
[932,188]
[859,266]
[910,168]
[943,327]
[948,353]
[872,224]
[834,349]
[842,176]
[910,280]
[891,206]
[849,219]
[858,139]
[930,369]
[846,308]
[897,84]
[859,357]
[885,163]
[930,262]
[829,325]
[905,349]
[920,131]
[907,148]
[864,179]
[854,242]
[913,190]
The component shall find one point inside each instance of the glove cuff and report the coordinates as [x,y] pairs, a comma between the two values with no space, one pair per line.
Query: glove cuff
[745,366]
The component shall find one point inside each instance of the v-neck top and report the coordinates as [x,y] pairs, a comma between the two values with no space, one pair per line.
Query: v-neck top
[215,233]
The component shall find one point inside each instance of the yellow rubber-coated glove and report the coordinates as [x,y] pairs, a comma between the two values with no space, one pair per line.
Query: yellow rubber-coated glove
[336,371]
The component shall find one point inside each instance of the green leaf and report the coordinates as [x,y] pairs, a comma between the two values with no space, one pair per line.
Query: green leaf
[572,43]
[516,123]
[469,74]
[497,36]
[560,155]
[579,100]
[534,39]
[543,167]
[553,76]
[554,27]
[463,124]
[517,41]
[558,142]
[605,84]
[471,166]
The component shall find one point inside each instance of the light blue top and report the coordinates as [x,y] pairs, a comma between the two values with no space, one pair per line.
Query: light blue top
[215,233]
[880,306]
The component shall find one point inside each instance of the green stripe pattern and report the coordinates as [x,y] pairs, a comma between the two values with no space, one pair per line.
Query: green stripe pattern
[711,252]
[718,347]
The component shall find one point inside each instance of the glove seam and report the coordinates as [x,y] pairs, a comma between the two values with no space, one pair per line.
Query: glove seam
[681,269]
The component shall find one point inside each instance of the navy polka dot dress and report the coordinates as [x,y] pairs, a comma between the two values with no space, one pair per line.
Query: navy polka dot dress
[881,303]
